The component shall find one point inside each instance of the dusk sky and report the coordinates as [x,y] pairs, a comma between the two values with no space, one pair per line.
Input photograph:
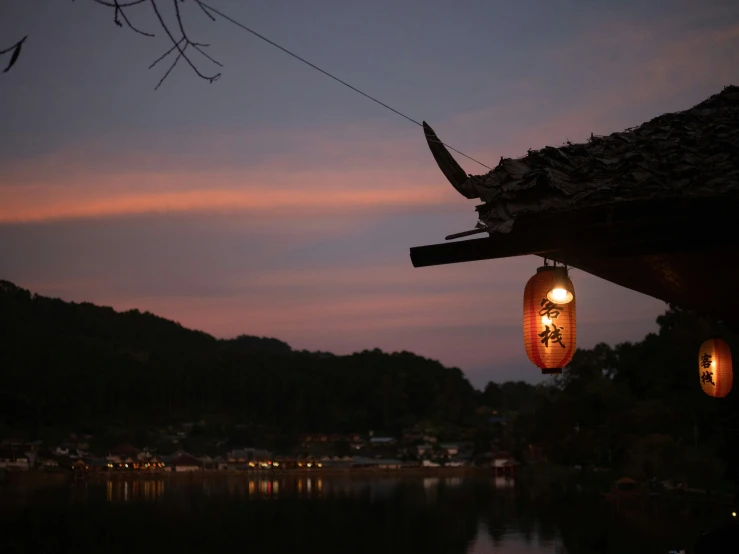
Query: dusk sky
[276,202]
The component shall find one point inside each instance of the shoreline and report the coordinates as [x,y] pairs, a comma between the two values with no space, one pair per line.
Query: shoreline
[93,476]
[33,479]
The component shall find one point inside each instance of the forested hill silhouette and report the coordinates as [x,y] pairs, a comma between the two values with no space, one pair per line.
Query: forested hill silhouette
[70,364]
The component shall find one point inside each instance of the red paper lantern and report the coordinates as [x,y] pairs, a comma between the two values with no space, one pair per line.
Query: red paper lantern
[549,329]
[714,368]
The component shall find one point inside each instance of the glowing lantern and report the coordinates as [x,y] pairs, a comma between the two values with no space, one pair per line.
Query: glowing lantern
[714,368]
[549,328]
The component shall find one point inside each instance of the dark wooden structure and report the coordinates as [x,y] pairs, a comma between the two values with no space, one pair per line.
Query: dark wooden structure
[653,209]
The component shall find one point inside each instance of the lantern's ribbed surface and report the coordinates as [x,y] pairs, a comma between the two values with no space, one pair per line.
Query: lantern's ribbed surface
[549,330]
[715,370]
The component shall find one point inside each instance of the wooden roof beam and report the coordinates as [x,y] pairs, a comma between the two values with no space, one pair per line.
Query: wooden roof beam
[585,236]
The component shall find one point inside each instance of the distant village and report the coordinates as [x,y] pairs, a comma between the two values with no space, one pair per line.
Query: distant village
[415,448]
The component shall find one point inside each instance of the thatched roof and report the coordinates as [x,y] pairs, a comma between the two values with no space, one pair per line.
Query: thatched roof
[652,208]
[689,154]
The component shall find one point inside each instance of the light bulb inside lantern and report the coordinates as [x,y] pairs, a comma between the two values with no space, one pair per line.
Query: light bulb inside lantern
[546,321]
[559,293]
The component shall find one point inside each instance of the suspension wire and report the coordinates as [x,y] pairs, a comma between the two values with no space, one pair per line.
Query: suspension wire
[355,89]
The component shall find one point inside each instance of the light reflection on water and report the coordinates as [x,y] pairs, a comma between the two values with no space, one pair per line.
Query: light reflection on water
[322,513]
[151,490]
[515,543]
[132,490]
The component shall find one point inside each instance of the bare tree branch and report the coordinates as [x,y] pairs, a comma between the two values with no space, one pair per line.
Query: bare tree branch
[176,43]
[174,29]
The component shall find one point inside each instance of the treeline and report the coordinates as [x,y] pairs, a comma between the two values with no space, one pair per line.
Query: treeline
[81,366]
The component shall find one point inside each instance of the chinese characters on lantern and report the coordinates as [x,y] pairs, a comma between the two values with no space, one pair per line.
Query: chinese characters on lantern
[549,310]
[549,313]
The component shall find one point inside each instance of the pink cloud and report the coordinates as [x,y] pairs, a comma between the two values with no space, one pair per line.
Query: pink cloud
[23,205]
[86,193]
[328,171]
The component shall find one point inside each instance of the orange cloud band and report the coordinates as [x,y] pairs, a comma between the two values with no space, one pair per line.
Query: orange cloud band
[36,203]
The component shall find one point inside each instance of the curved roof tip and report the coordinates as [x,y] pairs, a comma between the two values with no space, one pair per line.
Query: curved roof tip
[448,165]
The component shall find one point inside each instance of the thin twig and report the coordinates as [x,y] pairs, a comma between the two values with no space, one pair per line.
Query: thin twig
[115,14]
[167,53]
[14,46]
[206,12]
[171,67]
[130,25]
[199,49]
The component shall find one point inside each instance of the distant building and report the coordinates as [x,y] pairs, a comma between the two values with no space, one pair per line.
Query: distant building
[316,437]
[242,455]
[123,452]
[411,436]
[450,449]
[186,463]
[381,463]
[424,449]
[65,449]
[14,460]
[98,464]
[382,441]
[461,449]
[219,463]
[48,463]
[504,463]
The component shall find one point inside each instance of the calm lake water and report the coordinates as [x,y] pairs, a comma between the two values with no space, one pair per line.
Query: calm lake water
[336,514]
